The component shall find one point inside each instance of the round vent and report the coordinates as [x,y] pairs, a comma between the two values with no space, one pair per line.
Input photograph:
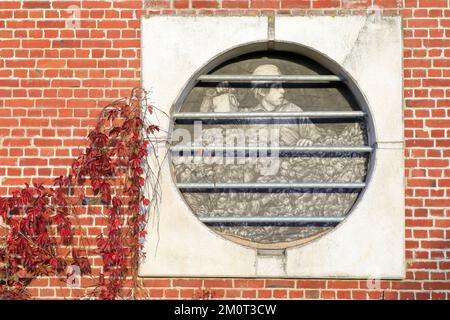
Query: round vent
[270,149]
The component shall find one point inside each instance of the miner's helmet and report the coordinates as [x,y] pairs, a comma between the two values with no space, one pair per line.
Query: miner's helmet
[264,70]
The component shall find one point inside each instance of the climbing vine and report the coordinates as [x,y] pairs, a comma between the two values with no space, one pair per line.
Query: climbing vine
[37,221]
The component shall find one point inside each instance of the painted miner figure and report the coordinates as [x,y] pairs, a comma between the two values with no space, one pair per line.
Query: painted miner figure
[271,99]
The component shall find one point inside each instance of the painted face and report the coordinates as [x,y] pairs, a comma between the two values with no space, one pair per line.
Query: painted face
[275,96]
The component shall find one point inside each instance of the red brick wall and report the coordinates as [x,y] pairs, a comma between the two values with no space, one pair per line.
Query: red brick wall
[54,79]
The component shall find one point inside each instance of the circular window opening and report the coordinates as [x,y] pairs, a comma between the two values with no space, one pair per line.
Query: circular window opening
[270,149]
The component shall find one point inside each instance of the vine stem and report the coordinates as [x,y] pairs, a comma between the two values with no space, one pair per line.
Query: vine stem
[95,163]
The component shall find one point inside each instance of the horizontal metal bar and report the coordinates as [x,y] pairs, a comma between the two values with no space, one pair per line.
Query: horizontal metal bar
[268,115]
[268,78]
[264,185]
[279,149]
[273,220]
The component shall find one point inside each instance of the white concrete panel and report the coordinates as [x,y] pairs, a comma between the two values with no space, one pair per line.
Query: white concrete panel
[178,244]
[271,266]
[370,242]
[369,49]
[175,47]
[331,36]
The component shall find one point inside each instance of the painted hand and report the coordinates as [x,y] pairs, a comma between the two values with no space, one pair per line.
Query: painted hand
[304,143]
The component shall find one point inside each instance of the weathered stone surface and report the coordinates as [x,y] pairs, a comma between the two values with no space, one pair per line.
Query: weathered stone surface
[370,242]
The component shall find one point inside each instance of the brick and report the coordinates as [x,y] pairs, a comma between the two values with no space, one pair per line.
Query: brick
[342,284]
[187,293]
[97,83]
[436,42]
[171,293]
[48,103]
[65,4]
[10,4]
[9,44]
[112,24]
[296,294]
[155,283]
[200,4]
[187,283]
[51,63]
[435,244]
[36,43]
[57,24]
[128,4]
[96,4]
[233,293]
[280,294]
[325,3]
[344,295]
[81,103]
[242,4]
[249,294]
[310,284]
[156,293]
[434,163]
[30,122]
[328,294]
[312,294]
[66,43]
[423,23]
[36,4]
[126,43]
[47,142]
[437,285]
[126,83]
[20,63]
[65,122]
[96,43]
[264,294]
[410,143]
[47,292]
[406,285]
[112,64]
[388,3]
[9,83]
[62,83]
[433,3]
[218,283]
[295,4]
[280,284]
[33,162]
[82,63]
[241,283]
[441,123]
[16,142]
[158,4]
[35,83]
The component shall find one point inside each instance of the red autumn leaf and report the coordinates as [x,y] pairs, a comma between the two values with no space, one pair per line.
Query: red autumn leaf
[152,128]
[54,263]
[33,211]
[143,234]
[75,165]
